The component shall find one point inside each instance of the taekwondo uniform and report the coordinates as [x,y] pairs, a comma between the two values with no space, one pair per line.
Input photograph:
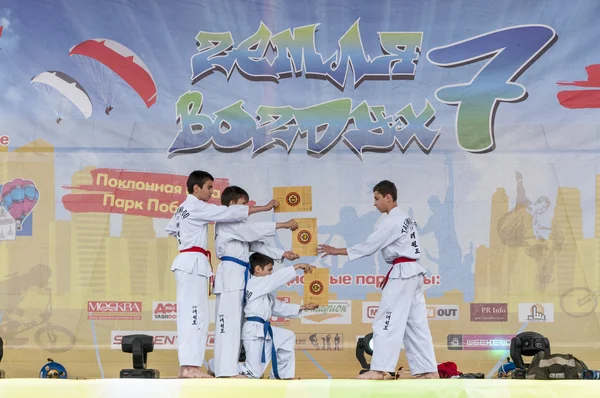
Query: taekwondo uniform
[402,314]
[263,342]
[192,272]
[234,242]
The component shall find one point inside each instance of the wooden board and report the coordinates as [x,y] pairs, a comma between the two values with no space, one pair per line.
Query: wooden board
[316,287]
[293,199]
[304,239]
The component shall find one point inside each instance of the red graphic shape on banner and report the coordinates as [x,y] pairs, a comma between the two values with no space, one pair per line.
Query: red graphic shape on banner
[582,99]
[134,193]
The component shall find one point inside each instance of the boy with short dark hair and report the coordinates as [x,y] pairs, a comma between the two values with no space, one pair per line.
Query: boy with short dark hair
[402,313]
[233,242]
[262,342]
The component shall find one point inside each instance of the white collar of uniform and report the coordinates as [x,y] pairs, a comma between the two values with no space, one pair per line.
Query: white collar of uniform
[194,199]
[395,210]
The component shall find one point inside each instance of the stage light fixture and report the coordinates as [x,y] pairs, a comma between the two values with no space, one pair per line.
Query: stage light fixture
[2,374]
[139,345]
[364,345]
[527,344]
[369,344]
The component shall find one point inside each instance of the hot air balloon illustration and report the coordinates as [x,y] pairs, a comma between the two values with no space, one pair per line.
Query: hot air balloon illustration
[19,197]
[64,94]
[116,72]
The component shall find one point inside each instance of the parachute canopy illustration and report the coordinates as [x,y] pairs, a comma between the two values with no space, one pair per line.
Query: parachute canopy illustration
[116,72]
[19,197]
[63,93]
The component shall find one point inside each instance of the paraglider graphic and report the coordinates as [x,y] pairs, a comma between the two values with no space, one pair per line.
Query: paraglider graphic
[116,72]
[63,93]
[19,197]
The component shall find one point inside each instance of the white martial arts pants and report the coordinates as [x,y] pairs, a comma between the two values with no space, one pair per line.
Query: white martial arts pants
[228,331]
[192,317]
[402,316]
[285,342]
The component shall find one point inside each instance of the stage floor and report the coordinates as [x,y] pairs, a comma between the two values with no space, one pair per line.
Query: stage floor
[174,388]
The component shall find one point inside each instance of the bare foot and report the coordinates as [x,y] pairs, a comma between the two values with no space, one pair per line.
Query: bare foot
[192,372]
[374,375]
[430,375]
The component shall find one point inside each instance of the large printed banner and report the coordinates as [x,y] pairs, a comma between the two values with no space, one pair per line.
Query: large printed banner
[485,117]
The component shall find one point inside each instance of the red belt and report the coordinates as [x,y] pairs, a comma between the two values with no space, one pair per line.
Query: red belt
[396,261]
[198,249]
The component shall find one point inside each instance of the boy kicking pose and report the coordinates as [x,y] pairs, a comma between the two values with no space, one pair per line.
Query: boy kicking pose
[263,342]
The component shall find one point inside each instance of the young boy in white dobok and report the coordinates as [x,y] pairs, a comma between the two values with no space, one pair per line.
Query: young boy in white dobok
[264,343]
[233,243]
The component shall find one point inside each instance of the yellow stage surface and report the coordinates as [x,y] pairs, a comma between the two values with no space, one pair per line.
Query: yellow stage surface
[175,388]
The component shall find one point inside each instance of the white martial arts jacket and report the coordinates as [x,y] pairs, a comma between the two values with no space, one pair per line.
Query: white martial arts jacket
[238,239]
[189,225]
[261,301]
[396,236]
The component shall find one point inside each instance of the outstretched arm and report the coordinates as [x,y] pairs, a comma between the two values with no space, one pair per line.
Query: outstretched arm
[268,284]
[327,250]
[378,239]
[256,231]
[276,253]
[285,310]
[257,209]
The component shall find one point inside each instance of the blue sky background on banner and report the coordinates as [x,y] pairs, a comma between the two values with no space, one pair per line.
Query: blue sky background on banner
[38,35]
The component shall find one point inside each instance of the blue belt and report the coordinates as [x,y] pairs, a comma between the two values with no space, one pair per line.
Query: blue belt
[268,331]
[246,273]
